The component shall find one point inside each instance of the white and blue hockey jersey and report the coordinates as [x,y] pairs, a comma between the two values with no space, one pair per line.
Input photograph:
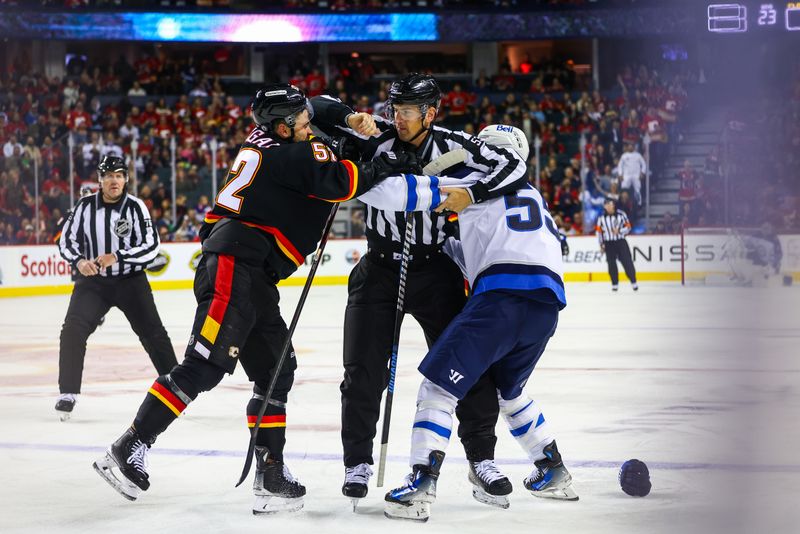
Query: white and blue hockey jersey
[508,243]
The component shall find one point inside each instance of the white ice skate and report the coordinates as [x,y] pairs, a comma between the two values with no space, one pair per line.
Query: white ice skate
[550,479]
[275,489]
[412,500]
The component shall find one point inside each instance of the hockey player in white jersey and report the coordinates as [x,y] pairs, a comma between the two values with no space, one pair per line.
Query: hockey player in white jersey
[512,259]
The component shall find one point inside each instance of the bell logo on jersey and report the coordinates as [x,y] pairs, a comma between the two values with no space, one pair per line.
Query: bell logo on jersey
[455,376]
[123,228]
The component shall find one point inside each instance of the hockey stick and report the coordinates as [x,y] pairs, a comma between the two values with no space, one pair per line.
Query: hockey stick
[276,371]
[434,167]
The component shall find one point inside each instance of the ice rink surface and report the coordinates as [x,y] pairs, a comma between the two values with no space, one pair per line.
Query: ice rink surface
[699,383]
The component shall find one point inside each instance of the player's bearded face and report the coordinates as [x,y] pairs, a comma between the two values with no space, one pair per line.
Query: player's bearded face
[302,128]
[113,185]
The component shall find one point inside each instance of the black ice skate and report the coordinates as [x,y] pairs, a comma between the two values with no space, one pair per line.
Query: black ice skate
[355,484]
[413,499]
[129,456]
[65,404]
[275,488]
[489,484]
[550,479]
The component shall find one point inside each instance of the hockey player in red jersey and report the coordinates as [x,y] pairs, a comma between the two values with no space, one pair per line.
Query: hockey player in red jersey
[268,217]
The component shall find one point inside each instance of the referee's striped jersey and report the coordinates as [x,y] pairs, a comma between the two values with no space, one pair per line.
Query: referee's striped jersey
[612,227]
[124,228]
[503,170]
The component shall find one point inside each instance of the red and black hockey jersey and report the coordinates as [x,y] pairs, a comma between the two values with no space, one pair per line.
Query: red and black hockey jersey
[276,200]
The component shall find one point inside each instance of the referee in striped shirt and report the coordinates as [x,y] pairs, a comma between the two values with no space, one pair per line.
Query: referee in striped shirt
[612,227]
[435,287]
[109,239]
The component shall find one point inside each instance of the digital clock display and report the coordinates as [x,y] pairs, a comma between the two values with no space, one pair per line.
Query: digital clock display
[741,17]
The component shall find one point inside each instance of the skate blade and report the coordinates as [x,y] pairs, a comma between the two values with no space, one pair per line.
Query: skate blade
[124,487]
[500,501]
[354,501]
[63,416]
[565,493]
[271,504]
[416,511]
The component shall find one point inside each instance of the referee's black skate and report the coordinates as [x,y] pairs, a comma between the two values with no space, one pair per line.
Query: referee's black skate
[489,485]
[65,404]
[413,499]
[275,488]
[124,466]
[550,479]
[356,480]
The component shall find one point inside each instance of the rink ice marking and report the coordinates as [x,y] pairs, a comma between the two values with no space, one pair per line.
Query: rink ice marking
[580,464]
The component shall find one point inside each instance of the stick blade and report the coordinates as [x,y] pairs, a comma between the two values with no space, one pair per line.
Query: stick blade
[248,463]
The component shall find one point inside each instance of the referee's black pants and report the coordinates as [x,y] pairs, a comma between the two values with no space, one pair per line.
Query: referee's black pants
[91,299]
[434,295]
[619,250]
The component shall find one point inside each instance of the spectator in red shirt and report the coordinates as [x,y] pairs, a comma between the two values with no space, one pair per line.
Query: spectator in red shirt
[458,100]
[198,109]
[26,235]
[298,80]
[77,118]
[148,117]
[688,179]
[565,127]
[182,106]
[315,83]
[232,110]
[503,81]
[164,129]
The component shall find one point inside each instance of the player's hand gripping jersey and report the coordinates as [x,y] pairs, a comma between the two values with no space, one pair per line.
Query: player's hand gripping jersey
[508,243]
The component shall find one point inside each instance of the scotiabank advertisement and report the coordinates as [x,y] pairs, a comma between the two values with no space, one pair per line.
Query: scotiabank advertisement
[660,256]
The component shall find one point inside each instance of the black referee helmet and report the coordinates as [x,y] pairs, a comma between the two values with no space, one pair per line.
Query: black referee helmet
[112,164]
[414,88]
[279,102]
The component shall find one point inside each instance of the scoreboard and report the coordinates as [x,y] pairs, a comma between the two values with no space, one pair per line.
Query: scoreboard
[749,16]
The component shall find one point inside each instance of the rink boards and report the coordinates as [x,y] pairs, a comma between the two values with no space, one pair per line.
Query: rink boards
[39,270]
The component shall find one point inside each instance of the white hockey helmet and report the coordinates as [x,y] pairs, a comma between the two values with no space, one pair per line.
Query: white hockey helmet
[505,136]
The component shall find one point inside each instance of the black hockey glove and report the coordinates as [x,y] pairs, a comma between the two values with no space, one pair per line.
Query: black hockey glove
[344,148]
[390,163]
[387,164]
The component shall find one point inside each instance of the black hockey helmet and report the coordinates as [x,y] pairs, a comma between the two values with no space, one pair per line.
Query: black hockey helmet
[112,164]
[279,102]
[414,88]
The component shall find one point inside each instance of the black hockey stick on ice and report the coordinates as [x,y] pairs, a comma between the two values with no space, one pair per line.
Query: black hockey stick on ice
[276,371]
[434,167]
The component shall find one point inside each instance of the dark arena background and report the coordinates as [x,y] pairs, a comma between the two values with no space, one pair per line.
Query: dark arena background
[695,374]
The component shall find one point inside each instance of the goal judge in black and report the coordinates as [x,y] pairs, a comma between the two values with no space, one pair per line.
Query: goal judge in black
[612,227]
[109,238]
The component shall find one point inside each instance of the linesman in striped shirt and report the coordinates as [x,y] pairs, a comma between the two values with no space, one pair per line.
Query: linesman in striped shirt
[612,227]
[109,239]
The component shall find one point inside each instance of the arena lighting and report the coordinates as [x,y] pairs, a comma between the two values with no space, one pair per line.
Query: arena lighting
[241,28]
[283,31]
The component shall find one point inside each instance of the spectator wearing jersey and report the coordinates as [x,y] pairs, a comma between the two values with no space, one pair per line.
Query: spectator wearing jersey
[632,169]
[612,227]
